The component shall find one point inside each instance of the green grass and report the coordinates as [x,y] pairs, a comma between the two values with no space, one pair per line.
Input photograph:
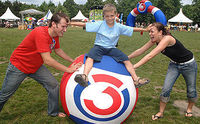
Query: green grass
[29,103]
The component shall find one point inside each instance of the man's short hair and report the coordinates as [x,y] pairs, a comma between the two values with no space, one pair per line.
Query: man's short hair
[57,17]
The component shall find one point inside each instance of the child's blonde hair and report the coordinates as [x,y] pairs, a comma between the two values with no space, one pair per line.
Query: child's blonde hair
[109,7]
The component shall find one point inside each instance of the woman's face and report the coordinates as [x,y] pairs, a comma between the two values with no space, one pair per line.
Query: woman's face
[154,34]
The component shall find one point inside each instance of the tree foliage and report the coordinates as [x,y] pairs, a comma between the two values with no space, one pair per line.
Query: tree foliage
[71,7]
[169,7]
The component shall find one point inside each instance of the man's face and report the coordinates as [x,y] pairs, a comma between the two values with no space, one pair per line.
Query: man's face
[60,28]
[110,17]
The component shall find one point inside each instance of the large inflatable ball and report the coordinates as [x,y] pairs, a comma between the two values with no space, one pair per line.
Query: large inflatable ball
[110,97]
[143,7]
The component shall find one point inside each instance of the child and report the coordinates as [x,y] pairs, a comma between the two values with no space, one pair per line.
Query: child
[107,35]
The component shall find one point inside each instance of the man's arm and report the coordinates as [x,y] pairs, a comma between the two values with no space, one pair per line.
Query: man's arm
[53,63]
[63,55]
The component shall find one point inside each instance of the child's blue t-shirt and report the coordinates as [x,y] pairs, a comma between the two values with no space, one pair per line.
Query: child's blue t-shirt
[108,36]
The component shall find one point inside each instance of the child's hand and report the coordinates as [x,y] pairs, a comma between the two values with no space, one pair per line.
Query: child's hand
[148,28]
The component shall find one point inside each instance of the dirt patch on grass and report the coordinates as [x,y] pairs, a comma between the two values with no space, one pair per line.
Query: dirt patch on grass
[2,62]
[158,87]
[182,105]
[56,74]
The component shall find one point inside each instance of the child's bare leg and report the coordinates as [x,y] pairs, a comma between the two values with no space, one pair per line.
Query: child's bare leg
[131,70]
[88,66]
[137,80]
[82,79]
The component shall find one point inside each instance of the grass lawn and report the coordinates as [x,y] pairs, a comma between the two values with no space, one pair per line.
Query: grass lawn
[29,103]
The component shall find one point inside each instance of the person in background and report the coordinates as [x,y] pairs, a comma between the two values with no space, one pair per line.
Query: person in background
[182,62]
[28,58]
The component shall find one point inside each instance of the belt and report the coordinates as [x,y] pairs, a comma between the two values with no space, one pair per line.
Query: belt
[191,60]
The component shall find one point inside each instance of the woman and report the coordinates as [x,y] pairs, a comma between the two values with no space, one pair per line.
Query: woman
[182,62]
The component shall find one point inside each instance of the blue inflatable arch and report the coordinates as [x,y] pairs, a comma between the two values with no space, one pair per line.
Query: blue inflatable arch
[145,6]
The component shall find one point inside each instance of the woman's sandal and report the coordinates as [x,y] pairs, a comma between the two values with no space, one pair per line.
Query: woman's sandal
[81,79]
[140,82]
[155,117]
[188,114]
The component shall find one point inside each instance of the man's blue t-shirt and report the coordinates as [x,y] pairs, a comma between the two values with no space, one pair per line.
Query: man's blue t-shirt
[108,36]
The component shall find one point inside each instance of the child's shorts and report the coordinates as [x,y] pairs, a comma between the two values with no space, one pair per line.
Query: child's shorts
[97,52]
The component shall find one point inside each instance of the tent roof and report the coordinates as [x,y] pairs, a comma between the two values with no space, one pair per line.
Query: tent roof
[8,15]
[47,16]
[180,17]
[79,16]
[31,11]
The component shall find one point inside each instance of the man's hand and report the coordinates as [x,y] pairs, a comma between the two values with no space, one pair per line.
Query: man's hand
[74,67]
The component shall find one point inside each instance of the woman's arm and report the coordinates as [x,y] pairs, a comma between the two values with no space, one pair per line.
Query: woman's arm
[160,47]
[141,50]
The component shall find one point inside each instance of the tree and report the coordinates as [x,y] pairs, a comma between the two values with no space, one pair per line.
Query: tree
[43,6]
[71,7]
[16,8]
[166,5]
[61,8]
[125,7]
[3,8]
[51,6]
[195,16]
[110,1]
[91,3]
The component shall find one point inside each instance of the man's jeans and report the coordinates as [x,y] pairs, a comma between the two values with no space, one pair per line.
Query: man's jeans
[14,78]
[189,72]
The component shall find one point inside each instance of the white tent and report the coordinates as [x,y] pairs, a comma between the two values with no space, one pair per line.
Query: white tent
[30,12]
[79,16]
[46,17]
[8,15]
[180,17]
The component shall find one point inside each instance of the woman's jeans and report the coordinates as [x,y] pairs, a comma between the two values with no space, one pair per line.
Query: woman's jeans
[14,78]
[189,72]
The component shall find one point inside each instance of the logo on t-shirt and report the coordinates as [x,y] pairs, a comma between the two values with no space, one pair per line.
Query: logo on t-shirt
[52,45]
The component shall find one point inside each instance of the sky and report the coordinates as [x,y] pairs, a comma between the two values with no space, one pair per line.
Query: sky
[39,2]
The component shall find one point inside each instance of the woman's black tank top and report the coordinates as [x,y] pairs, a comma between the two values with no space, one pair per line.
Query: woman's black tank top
[178,52]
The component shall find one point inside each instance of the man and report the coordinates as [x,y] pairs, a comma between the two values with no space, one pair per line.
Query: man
[28,59]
